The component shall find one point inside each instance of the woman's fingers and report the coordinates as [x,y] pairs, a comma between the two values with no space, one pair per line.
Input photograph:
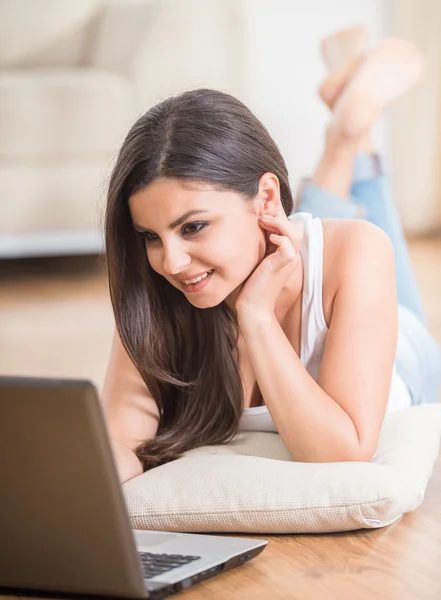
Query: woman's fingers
[286,252]
[294,230]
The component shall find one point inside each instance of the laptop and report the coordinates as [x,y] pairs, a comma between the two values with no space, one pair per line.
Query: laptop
[65,529]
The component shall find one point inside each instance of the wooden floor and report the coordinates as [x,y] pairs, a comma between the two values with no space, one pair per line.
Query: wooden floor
[398,562]
[56,320]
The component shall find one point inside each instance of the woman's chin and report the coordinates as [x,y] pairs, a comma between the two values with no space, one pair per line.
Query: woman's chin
[206,298]
[203,302]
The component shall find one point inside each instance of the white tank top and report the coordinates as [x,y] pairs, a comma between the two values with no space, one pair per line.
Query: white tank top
[314,328]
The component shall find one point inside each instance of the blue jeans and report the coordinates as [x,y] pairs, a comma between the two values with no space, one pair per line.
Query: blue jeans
[418,356]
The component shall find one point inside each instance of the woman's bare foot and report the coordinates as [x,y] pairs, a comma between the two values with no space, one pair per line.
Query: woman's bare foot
[342,53]
[342,47]
[384,75]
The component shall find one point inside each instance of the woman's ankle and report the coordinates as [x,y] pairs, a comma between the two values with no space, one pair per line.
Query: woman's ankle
[339,141]
[366,145]
[335,168]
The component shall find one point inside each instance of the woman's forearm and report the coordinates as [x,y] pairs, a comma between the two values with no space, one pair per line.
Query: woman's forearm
[127,463]
[311,424]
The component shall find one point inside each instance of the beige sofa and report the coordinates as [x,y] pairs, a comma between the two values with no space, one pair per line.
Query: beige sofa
[73,78]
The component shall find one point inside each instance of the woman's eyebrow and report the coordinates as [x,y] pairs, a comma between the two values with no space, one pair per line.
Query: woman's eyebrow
[178,221]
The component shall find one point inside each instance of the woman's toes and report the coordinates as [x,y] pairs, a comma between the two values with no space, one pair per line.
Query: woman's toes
[340,49]
[385,74]
[342,52]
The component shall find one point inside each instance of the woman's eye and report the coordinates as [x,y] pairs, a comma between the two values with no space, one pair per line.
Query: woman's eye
[199,227]
[146,236]
[189,229]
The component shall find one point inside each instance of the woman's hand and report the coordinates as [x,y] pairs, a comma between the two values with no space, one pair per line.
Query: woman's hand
[282,257]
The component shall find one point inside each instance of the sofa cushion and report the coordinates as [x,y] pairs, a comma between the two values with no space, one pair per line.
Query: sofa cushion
[251,485]
[31,27]
[63,113]
[53,196]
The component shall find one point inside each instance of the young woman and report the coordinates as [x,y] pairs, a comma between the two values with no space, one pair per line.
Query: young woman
[234,308]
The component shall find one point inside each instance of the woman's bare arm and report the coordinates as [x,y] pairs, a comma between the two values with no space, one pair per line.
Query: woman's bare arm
[338,418]
[130,411]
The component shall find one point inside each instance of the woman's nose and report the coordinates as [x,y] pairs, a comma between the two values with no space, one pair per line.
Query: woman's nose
[175,261]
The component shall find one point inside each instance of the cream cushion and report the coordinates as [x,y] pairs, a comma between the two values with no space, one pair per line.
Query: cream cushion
[74,76]
[51,189]
[251,485]
[31,29]
[63,113]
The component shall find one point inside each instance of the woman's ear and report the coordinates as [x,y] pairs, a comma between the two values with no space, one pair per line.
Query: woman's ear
[269,195]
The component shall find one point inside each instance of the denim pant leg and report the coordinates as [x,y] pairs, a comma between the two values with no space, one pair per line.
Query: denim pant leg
[371,188]
[418,357]
[371,199]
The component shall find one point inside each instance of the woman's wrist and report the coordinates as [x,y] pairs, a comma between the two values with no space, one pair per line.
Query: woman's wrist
[248,315]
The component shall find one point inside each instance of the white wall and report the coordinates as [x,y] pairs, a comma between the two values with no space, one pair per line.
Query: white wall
[284,68]
[416,120]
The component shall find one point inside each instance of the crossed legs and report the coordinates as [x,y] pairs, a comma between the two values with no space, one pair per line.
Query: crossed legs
[350,179]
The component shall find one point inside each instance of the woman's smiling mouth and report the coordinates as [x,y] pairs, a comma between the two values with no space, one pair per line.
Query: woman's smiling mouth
[198,283]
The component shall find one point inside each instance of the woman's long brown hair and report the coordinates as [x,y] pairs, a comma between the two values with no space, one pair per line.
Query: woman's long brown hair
[186,356]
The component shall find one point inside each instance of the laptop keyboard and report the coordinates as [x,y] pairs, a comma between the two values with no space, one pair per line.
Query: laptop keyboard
[155,564]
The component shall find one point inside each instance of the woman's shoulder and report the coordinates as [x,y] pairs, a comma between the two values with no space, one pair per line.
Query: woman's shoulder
[349,239]
[346,244]
[342,235]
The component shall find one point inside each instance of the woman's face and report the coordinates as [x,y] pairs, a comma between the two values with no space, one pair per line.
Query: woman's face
[222,235]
